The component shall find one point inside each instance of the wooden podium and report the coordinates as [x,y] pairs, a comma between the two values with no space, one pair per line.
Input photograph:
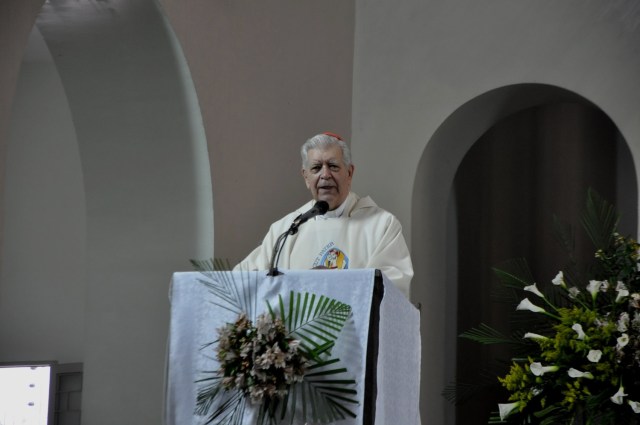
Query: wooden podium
[380,345]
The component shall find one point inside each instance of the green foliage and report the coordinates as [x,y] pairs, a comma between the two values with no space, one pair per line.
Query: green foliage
[619,260]
[514,273]
[327,391]
[485,334]
[236,296]
[317,322]
[600,220]
[582,354]
[212,264]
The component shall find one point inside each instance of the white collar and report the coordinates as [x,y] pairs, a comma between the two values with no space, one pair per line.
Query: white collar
[334,213]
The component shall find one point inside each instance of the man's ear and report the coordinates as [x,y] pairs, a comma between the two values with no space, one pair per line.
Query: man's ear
[304,177]
[351,170]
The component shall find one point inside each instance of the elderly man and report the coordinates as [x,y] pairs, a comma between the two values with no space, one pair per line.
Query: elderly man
[355,233]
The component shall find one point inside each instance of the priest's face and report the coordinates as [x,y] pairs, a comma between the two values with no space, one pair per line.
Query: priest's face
[327,176]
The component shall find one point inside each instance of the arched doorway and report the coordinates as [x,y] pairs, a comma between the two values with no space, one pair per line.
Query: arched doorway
[435,225]
[529,167]
[107,193]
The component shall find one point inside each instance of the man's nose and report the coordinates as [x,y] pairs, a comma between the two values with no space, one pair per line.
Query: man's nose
[325,173]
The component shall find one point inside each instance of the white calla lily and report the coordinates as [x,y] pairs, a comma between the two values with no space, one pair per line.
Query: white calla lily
[618,398]
[573,292]
[623,322]
[575,373]
[528,305]
[622,292]
[635,406]
[594,287]
[622,295]
[538,370]
[594,356]
[534,289]
[578,328]
[508,408]
[623,340]
[559,280]
[531,335]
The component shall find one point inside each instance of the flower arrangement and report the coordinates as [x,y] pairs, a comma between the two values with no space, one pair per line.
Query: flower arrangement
[261,361]
[279,367]
[589,365]
[578,356]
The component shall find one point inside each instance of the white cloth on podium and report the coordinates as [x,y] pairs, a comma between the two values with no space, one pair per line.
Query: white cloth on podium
[195,320]
[399,357]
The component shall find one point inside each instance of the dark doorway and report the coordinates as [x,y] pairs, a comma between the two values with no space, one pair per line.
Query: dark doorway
[526,168]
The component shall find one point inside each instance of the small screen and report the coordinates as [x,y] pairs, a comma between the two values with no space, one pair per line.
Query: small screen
[24,394]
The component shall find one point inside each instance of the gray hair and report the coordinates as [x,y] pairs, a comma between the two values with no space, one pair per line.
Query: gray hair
[322,142]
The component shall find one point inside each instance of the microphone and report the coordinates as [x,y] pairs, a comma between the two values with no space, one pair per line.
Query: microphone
[319,208]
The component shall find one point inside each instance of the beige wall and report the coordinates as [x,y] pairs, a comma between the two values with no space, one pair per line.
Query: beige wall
[438,69]
[269,75]
[16,20]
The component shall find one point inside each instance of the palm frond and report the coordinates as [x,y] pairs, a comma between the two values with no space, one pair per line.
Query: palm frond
[316,321]
[505,295]
[267,414]
[325,401]
[327,392]
[229,412]
[230,294]
[207,394]
[485,334]
[552,415]
[457,392]
[212,264]
[327,389]
[495,418]
[599,219]
[565,235]
[514,273]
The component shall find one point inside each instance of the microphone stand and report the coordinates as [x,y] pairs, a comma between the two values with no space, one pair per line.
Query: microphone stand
[277,248]
[319,208]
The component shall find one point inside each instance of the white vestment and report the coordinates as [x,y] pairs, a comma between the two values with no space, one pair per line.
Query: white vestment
[364,236]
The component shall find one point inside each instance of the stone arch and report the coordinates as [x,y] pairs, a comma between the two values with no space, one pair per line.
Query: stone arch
[434,232]
[106,115]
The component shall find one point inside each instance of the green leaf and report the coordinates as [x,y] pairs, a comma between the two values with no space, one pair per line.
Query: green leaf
[328,403]
[599,219]
[230,294]
[231,411]
[495,418]
[457,392]
[327,390]
[317,323]
[212,264]
[514,273]
[485,334]
[565,235]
